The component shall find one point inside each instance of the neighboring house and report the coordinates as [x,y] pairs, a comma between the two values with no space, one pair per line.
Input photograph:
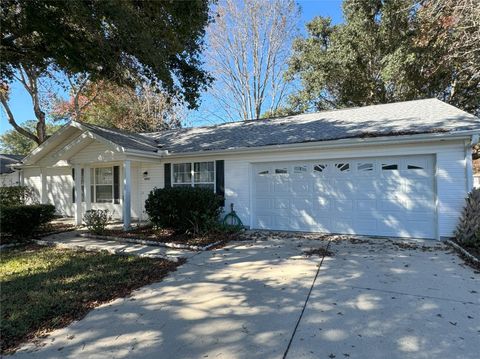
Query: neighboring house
[8,176]
[476,173]
[400,169]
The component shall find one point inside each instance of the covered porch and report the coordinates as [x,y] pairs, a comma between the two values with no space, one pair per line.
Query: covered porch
[81,168]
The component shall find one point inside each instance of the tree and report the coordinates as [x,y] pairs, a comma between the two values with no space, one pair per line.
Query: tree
[249,44]
[143,109]
[378,55]
[126,42]
[15,143]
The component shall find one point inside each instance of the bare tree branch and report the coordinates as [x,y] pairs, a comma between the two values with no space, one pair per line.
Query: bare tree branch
[249,46]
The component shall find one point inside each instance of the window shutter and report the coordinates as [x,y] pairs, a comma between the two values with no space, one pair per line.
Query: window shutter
[167,175]
[220,179]
[116,184]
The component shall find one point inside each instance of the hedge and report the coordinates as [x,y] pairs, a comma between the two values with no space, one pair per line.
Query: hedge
[17,195]
[184,209]
[23,220]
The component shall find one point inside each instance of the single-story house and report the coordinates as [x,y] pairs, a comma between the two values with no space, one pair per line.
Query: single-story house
[9,176]
[400,169]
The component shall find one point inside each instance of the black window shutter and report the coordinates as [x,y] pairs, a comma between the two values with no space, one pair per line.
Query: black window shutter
[73,187]
[116,184]
[220,178]
[168,175]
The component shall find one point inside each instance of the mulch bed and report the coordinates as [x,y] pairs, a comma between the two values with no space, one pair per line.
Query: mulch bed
[170,236]
[473,250]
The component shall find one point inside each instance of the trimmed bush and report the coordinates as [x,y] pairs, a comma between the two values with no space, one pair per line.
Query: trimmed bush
[17,195]
[184,209]
[96,220]
[468,229]
[23,220]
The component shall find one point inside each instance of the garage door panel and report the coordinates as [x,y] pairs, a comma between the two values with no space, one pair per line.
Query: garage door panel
[281,203]
[342,205]
[302,204]
[262,186]
[301,186]
[379,196]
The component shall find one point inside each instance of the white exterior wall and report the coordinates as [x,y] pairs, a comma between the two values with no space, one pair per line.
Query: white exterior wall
[32,178]
[451,174]
[95,152]
[59,185]
[155,178]
[451,180]
[10,179]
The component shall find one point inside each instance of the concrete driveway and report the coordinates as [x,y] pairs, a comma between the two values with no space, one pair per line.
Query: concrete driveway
[372,299]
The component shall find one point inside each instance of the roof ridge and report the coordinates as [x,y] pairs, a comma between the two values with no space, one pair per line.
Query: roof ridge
[253,120]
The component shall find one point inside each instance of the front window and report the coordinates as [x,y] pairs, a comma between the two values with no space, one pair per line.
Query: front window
[105,184]
[196,174]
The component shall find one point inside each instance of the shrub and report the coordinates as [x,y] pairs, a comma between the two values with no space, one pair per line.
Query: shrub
[96,220]
[468,229]
[17,195]
[184,209]
[23,220]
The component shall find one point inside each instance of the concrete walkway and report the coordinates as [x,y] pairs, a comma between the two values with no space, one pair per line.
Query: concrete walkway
[372,299]
[73,241]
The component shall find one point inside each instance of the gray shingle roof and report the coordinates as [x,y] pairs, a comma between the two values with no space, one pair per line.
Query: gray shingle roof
[128,140]
[8,159]
[412,117]
[401,118]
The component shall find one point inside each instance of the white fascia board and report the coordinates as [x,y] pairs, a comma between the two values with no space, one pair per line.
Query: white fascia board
[347,142]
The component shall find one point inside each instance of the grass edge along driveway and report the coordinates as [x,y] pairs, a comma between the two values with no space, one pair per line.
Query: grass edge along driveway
[44,288]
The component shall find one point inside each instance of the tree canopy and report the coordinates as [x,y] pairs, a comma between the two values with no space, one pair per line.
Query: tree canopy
[15,143]
[122,41]
[385,51]
[107,104]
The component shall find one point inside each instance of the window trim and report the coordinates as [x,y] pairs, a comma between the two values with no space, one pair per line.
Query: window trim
[93,184]
[192,175]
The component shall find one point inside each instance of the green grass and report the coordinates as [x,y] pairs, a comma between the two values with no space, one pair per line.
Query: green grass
[43,288]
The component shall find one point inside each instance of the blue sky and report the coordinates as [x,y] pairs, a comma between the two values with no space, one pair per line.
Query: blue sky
[21,104]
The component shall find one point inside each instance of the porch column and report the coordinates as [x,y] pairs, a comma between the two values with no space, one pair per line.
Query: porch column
[88,187]
[127,183]
[43,180]
[78,195]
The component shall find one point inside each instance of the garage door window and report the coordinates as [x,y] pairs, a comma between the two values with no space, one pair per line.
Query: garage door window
[342,167]
[281,171]
[299,169]
[389,167]
[320,168]
[365,167]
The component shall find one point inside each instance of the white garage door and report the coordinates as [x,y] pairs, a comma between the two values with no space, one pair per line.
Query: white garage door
[390,196]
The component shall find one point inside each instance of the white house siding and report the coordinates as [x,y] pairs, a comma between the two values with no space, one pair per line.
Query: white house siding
[451,175]
[94,153]
[9,179]
[451,187]
[451,183]
[154,178]
[59,185]
[32,178]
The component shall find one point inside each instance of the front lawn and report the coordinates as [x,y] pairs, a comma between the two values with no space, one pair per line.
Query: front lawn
[43,288]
